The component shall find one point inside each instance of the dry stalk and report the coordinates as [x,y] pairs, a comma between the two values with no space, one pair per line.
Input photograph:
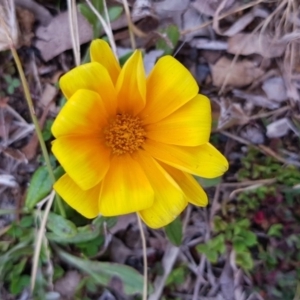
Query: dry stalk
[73,21]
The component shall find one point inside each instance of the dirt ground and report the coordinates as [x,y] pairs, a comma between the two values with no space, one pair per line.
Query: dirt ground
[245,245]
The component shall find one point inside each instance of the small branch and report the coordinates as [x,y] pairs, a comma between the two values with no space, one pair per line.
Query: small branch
[145,288]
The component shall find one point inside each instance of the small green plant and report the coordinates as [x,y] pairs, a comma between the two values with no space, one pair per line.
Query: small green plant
[12,84]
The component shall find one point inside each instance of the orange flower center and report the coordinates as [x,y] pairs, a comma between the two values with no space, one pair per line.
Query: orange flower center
[125,134]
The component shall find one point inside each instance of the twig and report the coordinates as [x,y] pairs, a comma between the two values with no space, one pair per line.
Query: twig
[234,11]
[168,261]
[145,287]
[39,240]
[247,183]
[106,28]
[73,21]
[130,27]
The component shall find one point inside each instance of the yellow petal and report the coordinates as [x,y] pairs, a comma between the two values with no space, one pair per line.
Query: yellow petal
[125,188]
[169,199]
[191,188]
[131,85]
[94,77]
[85,202]
[169,86]
[205,160]
[101,53]
[190,125]
[86,160]
[84,114]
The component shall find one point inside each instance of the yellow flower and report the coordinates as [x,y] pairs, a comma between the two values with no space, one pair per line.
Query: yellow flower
[129,143]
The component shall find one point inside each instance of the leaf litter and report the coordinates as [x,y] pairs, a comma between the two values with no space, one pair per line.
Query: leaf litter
[246,57]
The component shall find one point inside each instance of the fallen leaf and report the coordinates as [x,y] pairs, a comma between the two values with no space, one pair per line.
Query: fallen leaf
[280,128]
[56,37]
[245,20]
[49,93]
[256,99]
[203,43]
[39,11]
[208,7]
[238,74]
[231,114]
[275,89]
[250,43]
[66,286]
[253,133]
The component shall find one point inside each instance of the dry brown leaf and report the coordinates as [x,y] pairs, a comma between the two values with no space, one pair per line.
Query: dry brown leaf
[250,43]
[47,97]
[275,89]
[15,154]
[167,9]
[67,285]
[237,74]
[281,127]
[56,38]
[202,43]
[208,7]
[259,100]
[39,11]
[254,133]
[191,18]
[244,21]
[26,21]
[231,114]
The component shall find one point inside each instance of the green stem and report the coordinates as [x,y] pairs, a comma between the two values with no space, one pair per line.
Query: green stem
[36,123]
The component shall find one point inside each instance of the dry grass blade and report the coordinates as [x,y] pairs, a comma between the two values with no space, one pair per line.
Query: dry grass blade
[39,240]
[106,27]
[74,30]
[8,25]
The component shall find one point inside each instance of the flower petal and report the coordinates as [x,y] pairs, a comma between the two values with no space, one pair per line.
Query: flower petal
[191,188]
[94,77]
[190,125]
[102,53]
[86,160]
[83,114]
[125,188]
[169,199]
[131,85]
[85,202]
[169,86]
[205,160]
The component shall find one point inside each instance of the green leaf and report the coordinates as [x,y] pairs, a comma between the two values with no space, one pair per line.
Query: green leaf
[60,226]
[218,243]
[18,284]
[174,232]
[169,41]
[244,260]
[219,224]
[177,276]
[239,244]
[40,186]
[86,233]
[47,134]
[244,223]
[114,12]
[209,182]
[104,272]
[249,237]
[212,256]
[275,230]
